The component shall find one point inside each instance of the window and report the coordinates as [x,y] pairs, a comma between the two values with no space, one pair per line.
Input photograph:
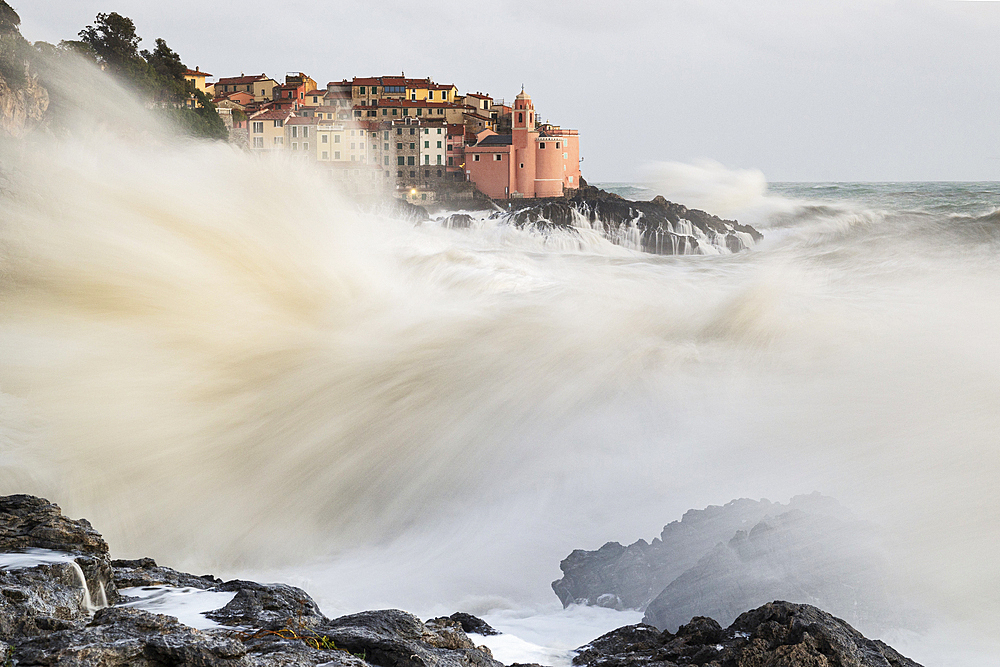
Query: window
[385,112]
[329,116]
[413,146]
[305,146]
[420,112]
[387,174]
[399,130]
[361,90]
[353,146]
[430,95]
[279,141]
[475,158]
[326,155]
[406,112]
[541,144]
[439,144]
[374,90]
[294,132]
[497,157]
[427,173]
[258,127]
[399,160]
[413,174]
[399,174]
[386,145]
[439,173]
[386,160]
[423,195]
[305,132]
[451,162]
[336,138]
[354,158]
[324,138]
[386,136]
[279,123]
[413,130]
[427,144]
[410,160]
[394,112]
[557,144]
[336,155]
[427,159]
[570,179]
[361,145]
[295,147]
[258,142]
[439,158]
[399,147]
[520,118]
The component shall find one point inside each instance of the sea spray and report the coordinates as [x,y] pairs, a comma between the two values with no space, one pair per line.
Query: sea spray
[224,364]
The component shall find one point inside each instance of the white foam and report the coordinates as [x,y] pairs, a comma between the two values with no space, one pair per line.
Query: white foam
[187,605]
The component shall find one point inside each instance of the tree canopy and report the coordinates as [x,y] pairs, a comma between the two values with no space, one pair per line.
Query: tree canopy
[157,75]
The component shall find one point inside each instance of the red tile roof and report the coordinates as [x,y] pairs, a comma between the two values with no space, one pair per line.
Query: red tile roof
[272,115]
[238,80]
[299,120]
[194,72]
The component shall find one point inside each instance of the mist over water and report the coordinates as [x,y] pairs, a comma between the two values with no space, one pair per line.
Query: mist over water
[226,365]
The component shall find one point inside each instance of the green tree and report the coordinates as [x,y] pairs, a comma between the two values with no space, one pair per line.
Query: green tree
[115,44]
[168,72]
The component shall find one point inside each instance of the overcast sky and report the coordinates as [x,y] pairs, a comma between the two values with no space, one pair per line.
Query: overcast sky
[802,90]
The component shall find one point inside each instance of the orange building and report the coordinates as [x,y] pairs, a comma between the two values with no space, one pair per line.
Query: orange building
[535,160]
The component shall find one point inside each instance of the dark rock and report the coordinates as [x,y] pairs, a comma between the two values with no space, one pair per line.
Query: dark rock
[393,638]
[473,624]
[267,606]
[797,556]
[636,574]
[145,572]
[778,634]
[457,221]
[720,561]
[658,226]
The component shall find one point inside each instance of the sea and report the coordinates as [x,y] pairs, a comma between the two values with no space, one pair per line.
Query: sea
[228,364]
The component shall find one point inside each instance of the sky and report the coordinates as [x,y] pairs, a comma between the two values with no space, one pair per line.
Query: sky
[844,90]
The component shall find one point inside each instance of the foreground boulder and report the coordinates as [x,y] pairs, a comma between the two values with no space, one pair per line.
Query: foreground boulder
[778,634]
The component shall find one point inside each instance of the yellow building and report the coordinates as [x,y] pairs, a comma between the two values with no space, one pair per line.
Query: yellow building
[267,130]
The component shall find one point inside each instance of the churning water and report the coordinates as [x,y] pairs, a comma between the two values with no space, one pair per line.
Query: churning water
[223,364]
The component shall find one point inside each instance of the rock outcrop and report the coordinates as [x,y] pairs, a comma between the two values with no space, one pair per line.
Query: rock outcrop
[659,226]
[23,100]
[720,561]
[778,634]
[46,621]
[47,618]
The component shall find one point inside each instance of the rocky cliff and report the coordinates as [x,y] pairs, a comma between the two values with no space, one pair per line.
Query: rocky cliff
[23,100]
[64,603]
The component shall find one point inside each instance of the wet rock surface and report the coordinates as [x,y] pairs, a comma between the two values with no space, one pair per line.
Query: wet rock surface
[44,621]
[658,226]
[778,634]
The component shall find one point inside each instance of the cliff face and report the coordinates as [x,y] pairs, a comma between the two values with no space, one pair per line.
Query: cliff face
[23,100]
[23,108]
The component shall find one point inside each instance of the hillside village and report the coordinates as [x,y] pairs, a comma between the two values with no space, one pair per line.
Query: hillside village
[421,140]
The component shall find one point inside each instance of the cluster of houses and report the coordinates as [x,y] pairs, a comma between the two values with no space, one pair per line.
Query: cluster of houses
[417,138]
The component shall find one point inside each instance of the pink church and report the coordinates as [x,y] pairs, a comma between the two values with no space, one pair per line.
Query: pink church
[535,160]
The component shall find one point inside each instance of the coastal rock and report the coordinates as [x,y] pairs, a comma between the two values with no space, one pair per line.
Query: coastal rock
[144,572]
[658,226]
[777,634]
[267,606]
[720,561]
[29,523]
[393,638]
[794,556]
[473,624]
